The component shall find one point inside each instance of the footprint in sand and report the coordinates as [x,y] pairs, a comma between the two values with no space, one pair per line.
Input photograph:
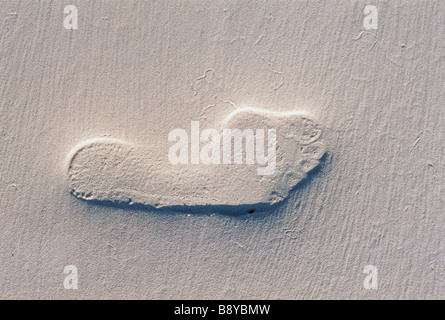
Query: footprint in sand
[276,150]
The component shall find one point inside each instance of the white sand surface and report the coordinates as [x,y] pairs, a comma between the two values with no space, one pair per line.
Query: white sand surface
[133,71]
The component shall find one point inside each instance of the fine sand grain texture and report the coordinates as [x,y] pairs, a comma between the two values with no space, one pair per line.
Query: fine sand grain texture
[359,177]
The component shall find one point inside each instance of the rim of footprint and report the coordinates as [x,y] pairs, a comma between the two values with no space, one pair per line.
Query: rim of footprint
[249,164]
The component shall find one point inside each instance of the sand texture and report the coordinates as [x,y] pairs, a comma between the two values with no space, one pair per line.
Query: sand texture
[85,178]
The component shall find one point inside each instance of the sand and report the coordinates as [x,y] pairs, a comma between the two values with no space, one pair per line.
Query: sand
[133,71]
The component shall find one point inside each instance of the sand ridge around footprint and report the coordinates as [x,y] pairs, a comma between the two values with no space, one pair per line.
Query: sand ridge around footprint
[115,171]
